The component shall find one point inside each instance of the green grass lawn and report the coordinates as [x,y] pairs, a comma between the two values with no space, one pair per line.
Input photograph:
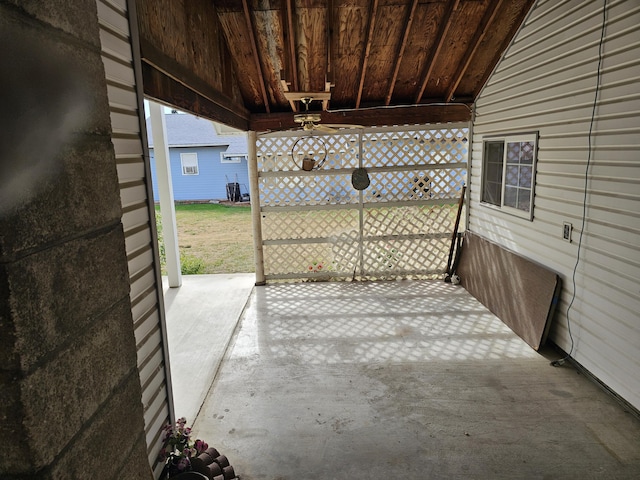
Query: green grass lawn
[215,238]
[212,238]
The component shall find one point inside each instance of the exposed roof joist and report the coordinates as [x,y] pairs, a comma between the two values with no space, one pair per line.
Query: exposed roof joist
[291,44]
[403,44]
[486,21]
[445,24]
[365,58]
[256,57]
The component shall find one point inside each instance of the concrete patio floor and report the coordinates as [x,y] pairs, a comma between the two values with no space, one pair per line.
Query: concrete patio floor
[403,380]
[201,317]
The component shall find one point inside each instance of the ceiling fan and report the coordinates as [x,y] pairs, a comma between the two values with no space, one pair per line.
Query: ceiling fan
[310,121]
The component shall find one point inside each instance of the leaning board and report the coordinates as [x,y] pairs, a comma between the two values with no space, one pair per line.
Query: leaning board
[521,293]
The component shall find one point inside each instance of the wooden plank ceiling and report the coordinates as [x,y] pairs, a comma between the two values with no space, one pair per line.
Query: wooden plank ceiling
[383,62]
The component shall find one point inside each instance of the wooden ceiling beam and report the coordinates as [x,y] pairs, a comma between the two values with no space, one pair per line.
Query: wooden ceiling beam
[403,44]
[445,24]
[254,49]
[365,59]
[166,89]
[481,31]
[369,117]
[296,96]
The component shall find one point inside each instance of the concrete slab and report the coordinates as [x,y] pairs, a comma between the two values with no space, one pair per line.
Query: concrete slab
[201,317]
[403,380]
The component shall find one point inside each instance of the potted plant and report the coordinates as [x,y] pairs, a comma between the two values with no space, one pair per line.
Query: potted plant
[179,449]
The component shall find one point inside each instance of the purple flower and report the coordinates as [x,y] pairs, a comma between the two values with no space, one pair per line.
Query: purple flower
[201,446]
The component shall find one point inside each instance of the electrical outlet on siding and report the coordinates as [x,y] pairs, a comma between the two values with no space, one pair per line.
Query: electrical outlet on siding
[567,228]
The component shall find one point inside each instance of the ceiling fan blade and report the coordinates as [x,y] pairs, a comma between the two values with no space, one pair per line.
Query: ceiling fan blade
[343,125]
[325,128]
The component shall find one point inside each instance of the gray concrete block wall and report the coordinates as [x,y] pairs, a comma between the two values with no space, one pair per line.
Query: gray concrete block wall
[70,398]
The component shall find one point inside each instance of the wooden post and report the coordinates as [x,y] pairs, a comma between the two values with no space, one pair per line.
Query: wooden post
[165,188]
[256,216]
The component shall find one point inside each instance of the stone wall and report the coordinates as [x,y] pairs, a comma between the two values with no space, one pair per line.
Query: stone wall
[70,401]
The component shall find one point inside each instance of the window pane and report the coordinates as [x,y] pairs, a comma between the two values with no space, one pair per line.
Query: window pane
[492,172]
[526,155]
[189,163]
[511,197]
[524,199]
[512,175]
[492,193]
[230,158]
[525,177]
[513,152]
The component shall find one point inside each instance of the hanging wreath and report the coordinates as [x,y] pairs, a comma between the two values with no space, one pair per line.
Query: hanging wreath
[309,153]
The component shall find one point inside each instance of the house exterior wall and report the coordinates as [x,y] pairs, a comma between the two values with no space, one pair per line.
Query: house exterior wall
[124,92]
[210,183]
[69,381]
[546,82]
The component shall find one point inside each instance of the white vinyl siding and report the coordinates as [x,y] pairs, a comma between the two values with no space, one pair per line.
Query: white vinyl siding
[137,219]
[546,82]
[189,162]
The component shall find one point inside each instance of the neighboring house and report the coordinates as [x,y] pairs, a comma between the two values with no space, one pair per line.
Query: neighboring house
[203,161]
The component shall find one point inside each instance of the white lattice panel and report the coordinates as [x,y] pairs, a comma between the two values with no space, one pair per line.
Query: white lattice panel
[413,220]
[415,257]
[320,189]
[277,154]
[398,186]
[313,260]
[308,224]
[318,236]
[415,147]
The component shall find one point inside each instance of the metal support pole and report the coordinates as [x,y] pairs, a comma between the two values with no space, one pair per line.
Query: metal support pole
[256,214]
[165,188]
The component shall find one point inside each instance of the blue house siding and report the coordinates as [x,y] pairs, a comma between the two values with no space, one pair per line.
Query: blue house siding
[190,134]
[211,181]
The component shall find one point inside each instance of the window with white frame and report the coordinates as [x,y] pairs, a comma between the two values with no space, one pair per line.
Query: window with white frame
[232,157]
[189,163]
[508,173]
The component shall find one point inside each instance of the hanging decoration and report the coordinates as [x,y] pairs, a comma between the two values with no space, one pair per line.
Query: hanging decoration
[309,153]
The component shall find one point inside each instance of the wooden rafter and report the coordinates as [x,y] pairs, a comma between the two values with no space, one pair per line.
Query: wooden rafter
[487,20]
[254,49]
[367,50]
[407,27]
[328,79]
[503,46]
[445,24]
[291,34]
